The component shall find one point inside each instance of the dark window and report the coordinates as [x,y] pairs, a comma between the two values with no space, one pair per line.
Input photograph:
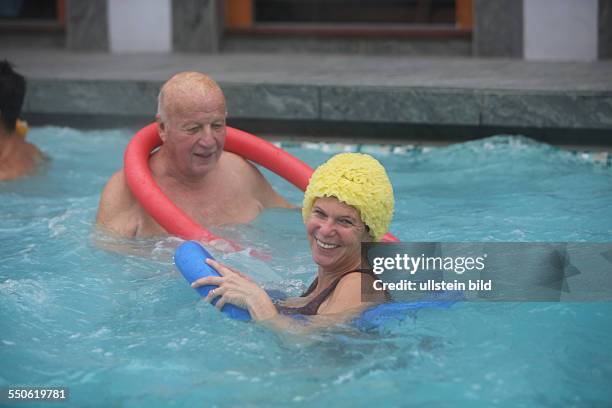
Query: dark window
[29,9]
[355,11]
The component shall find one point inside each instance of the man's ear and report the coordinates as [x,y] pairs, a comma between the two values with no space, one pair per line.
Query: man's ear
[161,128]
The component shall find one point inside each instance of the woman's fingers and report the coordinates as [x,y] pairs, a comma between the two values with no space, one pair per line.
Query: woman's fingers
[216,292]
[231,287]
[219,305]
[222,269]
[242,275]
[209,280]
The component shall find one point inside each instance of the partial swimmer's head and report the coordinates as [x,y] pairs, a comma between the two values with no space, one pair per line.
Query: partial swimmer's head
[12,93]
[358,180]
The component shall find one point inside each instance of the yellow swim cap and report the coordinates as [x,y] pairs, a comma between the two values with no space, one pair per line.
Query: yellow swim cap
[358,180]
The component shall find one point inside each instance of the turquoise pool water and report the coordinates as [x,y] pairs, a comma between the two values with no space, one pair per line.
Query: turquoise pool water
[125,329]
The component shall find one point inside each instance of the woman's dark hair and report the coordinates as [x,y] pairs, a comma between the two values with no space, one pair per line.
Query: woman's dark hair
[12,92]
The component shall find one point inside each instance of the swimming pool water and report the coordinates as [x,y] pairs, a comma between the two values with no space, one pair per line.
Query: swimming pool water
[124,329]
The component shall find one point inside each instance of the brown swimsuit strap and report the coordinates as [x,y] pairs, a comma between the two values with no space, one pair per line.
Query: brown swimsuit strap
[312,307]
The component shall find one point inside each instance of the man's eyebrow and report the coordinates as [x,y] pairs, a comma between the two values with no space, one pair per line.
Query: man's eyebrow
[191,126]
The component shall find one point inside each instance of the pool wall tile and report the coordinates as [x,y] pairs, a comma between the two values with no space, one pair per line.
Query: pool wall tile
[92,97]
[271,101]
[411,105]
[516,109]
[553,110]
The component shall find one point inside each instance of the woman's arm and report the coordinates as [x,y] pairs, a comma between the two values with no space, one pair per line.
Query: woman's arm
[236,288]
[344,304]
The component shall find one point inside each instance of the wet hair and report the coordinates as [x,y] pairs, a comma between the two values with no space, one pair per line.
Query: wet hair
[12,92]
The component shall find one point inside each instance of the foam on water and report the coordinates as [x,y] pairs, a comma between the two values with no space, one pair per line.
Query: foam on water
[125,329]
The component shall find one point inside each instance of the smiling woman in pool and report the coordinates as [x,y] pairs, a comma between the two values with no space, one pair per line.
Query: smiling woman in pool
[349,200]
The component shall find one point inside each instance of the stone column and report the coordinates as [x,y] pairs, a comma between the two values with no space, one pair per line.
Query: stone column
[605,29]
[498,28]
[197,25]
[87,25]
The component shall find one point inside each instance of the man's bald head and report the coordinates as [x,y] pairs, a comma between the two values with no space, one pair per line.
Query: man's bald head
[185,90]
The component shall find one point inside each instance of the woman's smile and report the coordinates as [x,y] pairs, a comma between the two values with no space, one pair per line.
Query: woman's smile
[325,245]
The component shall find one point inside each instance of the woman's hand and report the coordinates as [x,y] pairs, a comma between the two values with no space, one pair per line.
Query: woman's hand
[237,289]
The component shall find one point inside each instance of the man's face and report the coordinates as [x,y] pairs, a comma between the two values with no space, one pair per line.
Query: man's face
[194,132]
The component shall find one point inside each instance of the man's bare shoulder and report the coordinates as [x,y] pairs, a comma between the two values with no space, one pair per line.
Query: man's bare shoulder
[117,204]
[117,187]
[251,180]
[237,163]
[243,173]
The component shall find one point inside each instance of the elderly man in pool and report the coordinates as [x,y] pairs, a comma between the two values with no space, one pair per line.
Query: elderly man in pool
[349,200]
[18,158]
[210,185]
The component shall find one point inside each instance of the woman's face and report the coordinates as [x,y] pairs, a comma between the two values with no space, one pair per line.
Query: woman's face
[335,232]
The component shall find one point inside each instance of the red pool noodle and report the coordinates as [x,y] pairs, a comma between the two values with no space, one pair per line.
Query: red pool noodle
[172,218]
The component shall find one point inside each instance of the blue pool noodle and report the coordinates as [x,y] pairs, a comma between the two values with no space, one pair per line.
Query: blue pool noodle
[190,259]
